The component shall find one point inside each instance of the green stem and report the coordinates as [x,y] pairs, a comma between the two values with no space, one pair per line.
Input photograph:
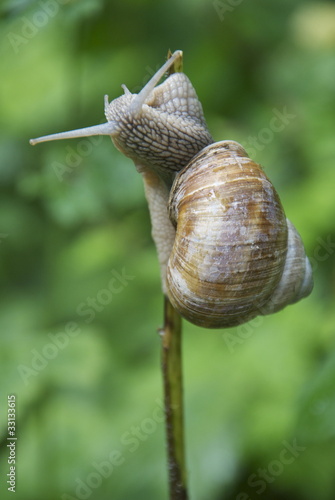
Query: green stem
[173,398]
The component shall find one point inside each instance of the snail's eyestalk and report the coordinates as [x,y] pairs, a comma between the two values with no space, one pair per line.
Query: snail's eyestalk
[147,90]
[109,128]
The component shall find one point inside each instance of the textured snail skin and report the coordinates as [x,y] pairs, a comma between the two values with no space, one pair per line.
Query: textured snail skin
[167,132]
[231,241]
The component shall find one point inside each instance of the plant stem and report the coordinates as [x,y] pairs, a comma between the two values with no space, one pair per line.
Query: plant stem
[172,365]
[173,399]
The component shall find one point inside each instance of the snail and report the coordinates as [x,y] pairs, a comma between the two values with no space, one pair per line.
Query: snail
[226,250]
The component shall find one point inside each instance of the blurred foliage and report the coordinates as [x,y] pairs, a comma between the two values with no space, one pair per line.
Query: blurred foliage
[72,213]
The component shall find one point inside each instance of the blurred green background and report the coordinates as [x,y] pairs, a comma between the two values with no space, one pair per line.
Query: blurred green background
[260,398]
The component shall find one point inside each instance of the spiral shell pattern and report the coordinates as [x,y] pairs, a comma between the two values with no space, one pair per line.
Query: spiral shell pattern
[231,244]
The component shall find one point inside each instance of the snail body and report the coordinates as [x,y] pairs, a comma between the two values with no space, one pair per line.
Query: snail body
[227,253]
[166,132]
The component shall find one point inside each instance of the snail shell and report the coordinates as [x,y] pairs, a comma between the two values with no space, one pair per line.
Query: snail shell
[235,255]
